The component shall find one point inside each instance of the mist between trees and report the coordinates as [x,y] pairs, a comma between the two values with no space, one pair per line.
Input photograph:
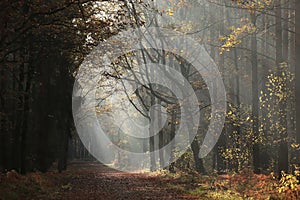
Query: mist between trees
[254,44]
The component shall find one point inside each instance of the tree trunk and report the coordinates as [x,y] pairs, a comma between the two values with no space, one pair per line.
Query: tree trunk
[26,116]
[161,138]
[283,146]
[255,98]
[3,126]
[19,120]
[297,72]
[198,161]
[152,138]
[218,160]
[172,136]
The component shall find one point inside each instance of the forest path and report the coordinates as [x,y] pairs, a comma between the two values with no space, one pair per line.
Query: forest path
[91,180]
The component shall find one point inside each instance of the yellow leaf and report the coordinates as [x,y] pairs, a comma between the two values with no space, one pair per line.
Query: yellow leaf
[170,12]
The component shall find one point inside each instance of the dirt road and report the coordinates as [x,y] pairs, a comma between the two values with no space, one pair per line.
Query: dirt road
[95,181]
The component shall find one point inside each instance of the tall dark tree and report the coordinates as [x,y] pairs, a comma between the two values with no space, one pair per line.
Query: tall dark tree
[283,146]
[255,98]
[297,72]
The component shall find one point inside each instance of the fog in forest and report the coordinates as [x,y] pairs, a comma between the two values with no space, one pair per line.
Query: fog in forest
[208,87]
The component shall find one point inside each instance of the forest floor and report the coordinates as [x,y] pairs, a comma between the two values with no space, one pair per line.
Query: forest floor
[91,180]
